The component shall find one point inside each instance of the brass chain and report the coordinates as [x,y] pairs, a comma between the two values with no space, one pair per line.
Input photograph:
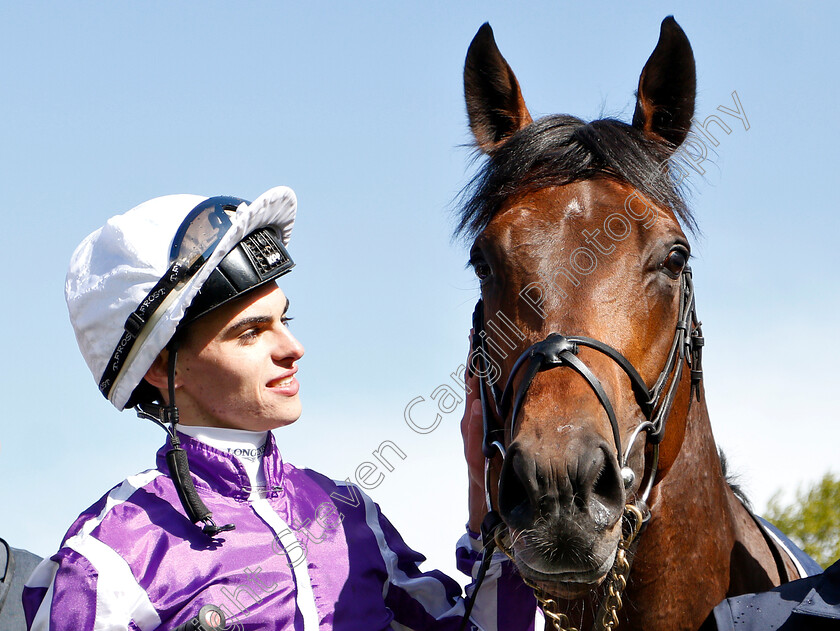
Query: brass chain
[608,612]
[559,621]
[607,617]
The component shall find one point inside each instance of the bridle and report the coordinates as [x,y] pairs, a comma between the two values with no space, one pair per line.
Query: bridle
[558,350]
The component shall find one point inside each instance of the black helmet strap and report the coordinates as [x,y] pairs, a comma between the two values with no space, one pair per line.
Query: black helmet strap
[176,457]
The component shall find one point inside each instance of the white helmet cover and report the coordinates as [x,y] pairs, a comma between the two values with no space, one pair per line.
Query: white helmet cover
[114,269]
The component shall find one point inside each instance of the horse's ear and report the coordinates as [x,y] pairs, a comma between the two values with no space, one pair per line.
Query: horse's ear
[665,100]
[494,102]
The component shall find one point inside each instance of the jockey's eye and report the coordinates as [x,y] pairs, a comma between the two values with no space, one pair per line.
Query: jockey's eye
[675,262]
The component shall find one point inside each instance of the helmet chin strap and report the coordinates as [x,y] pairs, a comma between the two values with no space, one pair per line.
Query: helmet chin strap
[176,458]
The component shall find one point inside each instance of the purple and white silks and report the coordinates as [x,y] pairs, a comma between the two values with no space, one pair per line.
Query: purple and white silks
[307,554]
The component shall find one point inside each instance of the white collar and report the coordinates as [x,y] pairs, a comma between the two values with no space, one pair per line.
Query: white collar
[246,446]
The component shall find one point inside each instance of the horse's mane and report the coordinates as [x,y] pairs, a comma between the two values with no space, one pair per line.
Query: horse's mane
[561,149]
[733,480]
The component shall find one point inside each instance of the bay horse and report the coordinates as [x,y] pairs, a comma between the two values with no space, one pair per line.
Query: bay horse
[587,313]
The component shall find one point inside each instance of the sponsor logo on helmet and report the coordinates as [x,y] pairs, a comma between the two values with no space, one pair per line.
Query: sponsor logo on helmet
[151,299]
[119,350]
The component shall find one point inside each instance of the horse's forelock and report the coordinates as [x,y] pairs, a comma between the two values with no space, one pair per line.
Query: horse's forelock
[561,149]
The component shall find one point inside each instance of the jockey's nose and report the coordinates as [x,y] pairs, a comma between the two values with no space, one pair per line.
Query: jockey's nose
[287,347]
[579,481]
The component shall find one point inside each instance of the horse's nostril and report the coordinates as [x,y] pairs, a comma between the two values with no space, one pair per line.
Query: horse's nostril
[514,497]
[602,484]
[608,491]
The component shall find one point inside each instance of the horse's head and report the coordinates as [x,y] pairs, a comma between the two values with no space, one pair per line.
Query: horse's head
[578,231]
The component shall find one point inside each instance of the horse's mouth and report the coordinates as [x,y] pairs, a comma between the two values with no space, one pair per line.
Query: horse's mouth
[567,584]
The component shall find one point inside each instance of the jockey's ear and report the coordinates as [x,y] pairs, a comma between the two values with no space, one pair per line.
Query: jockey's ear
[495,105]
[667,87]
[158,373]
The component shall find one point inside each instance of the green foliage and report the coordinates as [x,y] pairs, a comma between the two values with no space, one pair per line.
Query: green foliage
[812,520]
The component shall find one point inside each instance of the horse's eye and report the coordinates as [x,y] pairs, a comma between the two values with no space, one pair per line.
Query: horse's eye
[482,270]
[675,262]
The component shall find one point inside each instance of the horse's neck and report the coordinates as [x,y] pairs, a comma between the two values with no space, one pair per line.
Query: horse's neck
[701,543]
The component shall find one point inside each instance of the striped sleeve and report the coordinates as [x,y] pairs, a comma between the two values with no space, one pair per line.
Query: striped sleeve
[503,601]
[86,585]
[431,601]
[72,593]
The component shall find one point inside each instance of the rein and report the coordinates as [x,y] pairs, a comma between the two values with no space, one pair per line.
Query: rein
[558,350]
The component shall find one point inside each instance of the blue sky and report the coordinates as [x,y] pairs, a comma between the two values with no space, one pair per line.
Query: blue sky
[359,108]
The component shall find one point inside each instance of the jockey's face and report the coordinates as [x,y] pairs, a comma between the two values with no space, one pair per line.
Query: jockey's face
[236,366]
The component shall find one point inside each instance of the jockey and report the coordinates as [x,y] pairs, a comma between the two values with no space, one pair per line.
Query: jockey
[177,312]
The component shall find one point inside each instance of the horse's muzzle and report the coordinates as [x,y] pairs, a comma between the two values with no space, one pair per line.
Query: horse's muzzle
[563,508]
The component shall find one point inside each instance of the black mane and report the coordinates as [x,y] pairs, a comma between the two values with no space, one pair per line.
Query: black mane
[561,149]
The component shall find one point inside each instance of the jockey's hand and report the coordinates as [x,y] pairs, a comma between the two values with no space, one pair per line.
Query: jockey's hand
[472,431]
